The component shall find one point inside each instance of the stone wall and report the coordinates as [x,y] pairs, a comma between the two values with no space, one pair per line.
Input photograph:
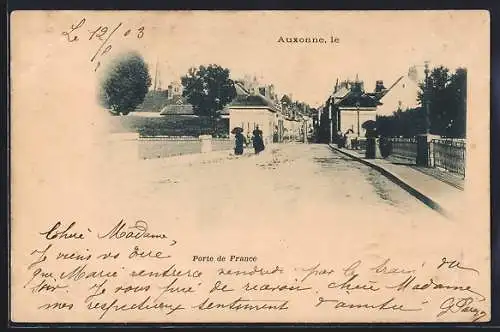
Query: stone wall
[162,147]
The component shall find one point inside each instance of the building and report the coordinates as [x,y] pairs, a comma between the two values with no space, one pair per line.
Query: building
[347,108]
[250,109]
[174,89]
[176,104]
[354,109]
[402,95]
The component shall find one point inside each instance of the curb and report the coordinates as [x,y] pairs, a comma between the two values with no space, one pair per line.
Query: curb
[399,181]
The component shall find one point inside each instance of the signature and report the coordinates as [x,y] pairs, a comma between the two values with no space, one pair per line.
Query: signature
[461,305]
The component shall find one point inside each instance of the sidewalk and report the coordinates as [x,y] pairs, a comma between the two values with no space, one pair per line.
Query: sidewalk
[439,195]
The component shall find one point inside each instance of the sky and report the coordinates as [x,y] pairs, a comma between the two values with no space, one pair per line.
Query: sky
[373,45]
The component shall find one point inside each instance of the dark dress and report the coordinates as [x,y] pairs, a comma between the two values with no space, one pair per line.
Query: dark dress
[240,140]
[258,142]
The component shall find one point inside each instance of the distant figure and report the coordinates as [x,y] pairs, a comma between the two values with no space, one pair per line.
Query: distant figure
[340,139]
[349,137]
[258,141]
[276,135]
[239,141]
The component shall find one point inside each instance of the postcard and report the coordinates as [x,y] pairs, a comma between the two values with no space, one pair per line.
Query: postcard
[250,166]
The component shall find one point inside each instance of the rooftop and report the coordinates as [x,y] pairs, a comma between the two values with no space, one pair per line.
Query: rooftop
[174,109]
[245,99]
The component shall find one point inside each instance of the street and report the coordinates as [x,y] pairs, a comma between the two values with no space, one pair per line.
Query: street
[289,185]
[294,177]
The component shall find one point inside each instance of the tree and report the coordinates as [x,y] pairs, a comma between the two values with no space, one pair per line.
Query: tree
[286,104]
[125,84]
[208,89]
[458,96]
[286,100]
[408,123]
[447,99]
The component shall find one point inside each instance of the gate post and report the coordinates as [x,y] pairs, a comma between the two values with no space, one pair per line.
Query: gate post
[431,153]
[206,143]
[423,150]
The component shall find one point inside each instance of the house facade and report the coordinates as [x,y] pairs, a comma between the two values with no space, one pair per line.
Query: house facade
[355,109]
[347,108]
[402,95]
[176,104]
[249,110]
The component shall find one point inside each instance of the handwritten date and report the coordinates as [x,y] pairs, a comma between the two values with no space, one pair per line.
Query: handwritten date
[103,33]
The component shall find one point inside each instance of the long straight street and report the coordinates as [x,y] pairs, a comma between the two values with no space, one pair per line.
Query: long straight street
[289,184]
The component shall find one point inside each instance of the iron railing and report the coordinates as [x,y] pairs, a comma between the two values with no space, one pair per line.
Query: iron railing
[449,154]
[405,148]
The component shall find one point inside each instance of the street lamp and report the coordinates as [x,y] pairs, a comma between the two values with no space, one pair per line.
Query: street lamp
[427,99]
[330,119]
[357,110]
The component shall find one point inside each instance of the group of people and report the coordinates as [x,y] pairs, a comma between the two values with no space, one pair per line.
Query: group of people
[241,141]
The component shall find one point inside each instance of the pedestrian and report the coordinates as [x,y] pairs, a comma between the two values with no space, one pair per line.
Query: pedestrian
[349,137]
[275,135]
[258,141]
[340,139]
[239,141]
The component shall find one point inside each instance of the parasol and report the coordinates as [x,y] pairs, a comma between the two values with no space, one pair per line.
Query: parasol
[236,130]
[369,125]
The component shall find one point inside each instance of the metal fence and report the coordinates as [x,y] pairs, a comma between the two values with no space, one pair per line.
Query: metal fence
[449,154]
[405,148]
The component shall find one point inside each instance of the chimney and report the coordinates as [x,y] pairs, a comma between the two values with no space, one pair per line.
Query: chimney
[170,92]
[412,74]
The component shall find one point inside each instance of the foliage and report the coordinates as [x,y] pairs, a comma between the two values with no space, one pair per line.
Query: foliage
[169,125]
[447,95]
[407,123]
[208,89]
[286,100]
[125,84]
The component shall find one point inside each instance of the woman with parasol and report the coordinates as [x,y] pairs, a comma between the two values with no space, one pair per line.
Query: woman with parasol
[258,141]
[239,140]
